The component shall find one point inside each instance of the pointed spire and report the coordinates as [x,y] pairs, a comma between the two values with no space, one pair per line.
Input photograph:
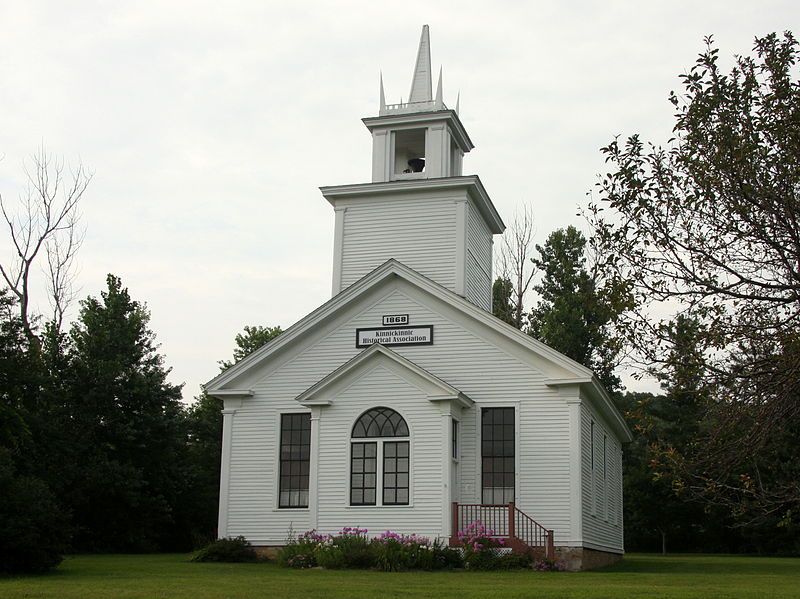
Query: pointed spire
[383,97]
[421,83]
[439,101]
[458,101]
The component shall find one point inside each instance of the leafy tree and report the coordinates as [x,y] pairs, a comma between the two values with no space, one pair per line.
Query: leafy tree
[204,419]
[34,530]
[577,308]
[127,425]
[33,527]
[659,511]
[502,306]
[710,223]
[250,340]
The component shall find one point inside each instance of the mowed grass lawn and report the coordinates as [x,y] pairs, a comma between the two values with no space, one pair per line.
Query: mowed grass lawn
[157,576]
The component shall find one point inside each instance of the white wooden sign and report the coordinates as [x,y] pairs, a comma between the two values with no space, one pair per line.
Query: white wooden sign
[417,335]
[395,320]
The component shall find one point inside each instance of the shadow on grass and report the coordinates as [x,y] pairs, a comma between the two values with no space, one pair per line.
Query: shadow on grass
[704,564]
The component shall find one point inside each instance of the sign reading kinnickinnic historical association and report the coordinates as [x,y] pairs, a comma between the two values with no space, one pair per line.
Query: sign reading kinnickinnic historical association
[416,335]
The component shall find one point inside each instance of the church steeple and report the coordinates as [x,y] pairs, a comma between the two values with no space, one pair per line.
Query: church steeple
[419,208]
[421,138]
[421,83]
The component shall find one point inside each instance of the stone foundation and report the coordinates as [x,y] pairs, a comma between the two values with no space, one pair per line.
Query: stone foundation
[581,558]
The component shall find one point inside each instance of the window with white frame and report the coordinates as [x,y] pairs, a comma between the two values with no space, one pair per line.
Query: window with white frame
[498,451]
[295,454]
[379,453]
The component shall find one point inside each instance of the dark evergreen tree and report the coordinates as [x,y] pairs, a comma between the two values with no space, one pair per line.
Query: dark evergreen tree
[34,529]
[205,439]
[576,308]
[127,424]
[502,304]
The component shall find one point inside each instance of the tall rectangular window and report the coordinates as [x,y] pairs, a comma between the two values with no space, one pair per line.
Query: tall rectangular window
[498,449]
[395,473]
[295,459]
[363,473]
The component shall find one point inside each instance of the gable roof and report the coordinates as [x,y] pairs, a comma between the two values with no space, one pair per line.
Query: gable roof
[439,390]
[577,373]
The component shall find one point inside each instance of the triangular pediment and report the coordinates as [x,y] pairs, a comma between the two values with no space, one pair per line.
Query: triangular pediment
[369,289]
[395,277]
[325,391]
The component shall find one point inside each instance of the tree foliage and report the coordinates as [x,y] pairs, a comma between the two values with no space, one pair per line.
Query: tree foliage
[34,529]
[204,419]
[502,306]
[710,224]
[577,308]
[126,419]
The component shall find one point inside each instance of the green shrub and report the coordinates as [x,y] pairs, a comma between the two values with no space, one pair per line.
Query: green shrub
[395,552]
[446,558]
[480,547]
[351,548]
[513,561]
[348,549]
[230,550]
[33,529]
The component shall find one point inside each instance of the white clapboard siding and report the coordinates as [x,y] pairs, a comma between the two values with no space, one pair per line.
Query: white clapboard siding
[479,260]
[482,371]
[424,513]
[602,498]
[419,232]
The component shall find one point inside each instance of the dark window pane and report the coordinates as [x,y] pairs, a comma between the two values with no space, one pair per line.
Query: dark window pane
[380,422]
[362,474]
[395,473]
[295,453]
[498,447]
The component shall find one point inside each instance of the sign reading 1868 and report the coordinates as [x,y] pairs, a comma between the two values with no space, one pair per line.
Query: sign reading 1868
[416,335]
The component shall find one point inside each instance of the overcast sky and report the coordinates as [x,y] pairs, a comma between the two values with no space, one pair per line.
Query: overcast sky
[210,125]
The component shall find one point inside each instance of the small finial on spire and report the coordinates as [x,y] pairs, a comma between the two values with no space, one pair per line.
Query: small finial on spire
[421,83]
[439,101]
[458,101]
[383,97]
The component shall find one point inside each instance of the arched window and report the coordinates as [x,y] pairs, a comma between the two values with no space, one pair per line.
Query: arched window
[383,458]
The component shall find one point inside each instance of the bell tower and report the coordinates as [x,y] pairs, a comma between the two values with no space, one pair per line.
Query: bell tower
[419,208]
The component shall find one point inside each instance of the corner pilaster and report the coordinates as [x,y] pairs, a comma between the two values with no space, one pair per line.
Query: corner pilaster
[461,247]
[313,483]
[228,413]
[575,467]
[338,249]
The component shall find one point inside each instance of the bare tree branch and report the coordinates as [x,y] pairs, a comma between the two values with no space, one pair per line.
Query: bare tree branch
[46,216]
[515,259]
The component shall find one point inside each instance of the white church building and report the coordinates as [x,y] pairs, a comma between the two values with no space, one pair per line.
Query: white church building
[402,403]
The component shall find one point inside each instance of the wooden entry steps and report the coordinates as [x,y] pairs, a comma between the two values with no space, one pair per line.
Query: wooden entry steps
[519,531]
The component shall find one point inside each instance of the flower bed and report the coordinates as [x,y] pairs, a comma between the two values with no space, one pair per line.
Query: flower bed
[391,551]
